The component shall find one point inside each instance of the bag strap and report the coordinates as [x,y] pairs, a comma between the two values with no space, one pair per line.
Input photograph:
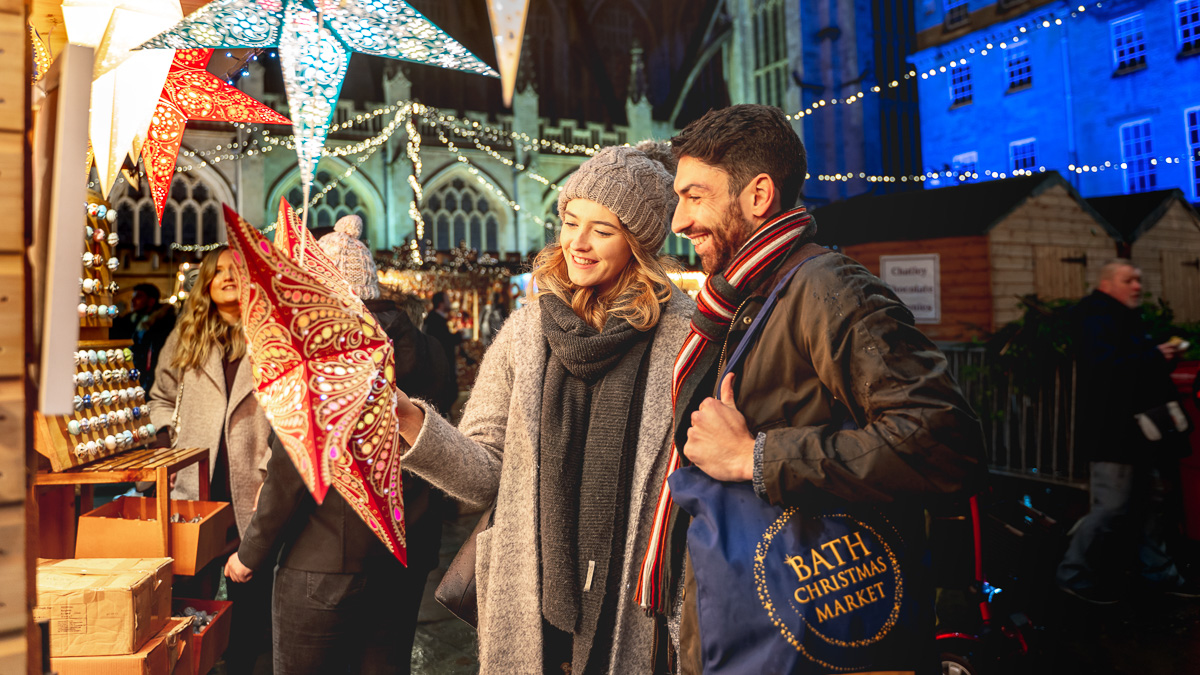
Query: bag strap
[175,412]
[763,313]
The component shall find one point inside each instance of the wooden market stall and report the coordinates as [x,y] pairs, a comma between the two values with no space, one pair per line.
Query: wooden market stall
[1160,232]
[966,254]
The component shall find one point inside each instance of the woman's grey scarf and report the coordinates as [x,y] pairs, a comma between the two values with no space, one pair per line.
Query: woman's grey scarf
[591,410]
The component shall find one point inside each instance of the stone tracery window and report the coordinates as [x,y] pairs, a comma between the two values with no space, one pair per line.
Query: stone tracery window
[770,52]
[340,201]
[457,212]
[192,215]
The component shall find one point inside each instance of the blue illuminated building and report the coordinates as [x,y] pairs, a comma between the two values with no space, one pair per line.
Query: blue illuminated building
[1107,93]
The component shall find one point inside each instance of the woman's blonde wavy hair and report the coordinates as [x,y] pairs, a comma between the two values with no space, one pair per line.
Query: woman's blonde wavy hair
[637,296]
[201,328]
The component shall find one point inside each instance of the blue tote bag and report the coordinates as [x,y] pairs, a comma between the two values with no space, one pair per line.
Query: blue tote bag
[792,592]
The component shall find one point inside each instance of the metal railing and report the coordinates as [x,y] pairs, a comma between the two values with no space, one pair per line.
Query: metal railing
[1029,426]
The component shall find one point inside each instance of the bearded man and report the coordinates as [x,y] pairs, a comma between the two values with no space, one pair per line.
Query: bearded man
[839,399]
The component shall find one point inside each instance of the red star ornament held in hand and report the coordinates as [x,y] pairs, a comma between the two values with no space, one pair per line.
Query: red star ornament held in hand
[324,373]
[192,93]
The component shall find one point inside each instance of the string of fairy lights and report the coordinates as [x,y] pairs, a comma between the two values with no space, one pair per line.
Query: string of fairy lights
[982,46]
[484,137]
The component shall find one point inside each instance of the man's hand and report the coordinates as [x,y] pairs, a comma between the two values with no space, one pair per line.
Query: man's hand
[718,441]
[410,418]
[1170,350]
[234,569]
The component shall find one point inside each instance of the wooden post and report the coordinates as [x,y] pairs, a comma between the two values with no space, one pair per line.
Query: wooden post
[163,509]
[20,647]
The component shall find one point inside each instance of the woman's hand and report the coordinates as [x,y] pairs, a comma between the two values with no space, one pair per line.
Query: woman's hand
[411,417]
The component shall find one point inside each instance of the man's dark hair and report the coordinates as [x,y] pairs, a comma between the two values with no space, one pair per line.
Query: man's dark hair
[744,141]
[149,290]
[438,299]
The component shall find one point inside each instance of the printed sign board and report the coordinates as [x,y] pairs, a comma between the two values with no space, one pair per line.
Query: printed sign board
[916,280]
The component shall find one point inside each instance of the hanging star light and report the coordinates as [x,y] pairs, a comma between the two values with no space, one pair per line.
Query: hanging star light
[508,29]
[324,372]
[315,38]
[41,53]
[192,93]
[125,83]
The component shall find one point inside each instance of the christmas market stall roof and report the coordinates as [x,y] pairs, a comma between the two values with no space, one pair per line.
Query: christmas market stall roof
[1133,215]
[1160,233]
[985,245]
[966,210]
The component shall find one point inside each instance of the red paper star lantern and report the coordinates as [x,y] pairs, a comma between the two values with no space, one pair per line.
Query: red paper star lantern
[192,93]
[324,372]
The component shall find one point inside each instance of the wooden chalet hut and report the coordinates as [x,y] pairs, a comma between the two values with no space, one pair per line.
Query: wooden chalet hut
[1160,232]
[963,256]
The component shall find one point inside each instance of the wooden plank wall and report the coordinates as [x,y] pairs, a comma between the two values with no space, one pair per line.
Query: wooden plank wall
[17,638]
[965,286]
[1051,219]
[1173,241]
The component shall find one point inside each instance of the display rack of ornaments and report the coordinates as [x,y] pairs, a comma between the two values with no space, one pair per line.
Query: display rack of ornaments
[110,413]
[96,286]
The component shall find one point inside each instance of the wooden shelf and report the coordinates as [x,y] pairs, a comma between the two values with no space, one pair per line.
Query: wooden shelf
[147,464]
[53,441]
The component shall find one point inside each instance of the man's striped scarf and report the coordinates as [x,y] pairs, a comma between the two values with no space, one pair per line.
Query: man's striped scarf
[716,305]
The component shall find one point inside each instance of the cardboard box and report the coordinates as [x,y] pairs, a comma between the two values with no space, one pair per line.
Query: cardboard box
[210,644]
[167,653]
[127,528]
[102,607]
[159,568]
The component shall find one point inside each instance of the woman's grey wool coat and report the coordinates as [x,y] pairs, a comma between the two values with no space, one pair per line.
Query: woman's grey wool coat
[205,413]
[493,455]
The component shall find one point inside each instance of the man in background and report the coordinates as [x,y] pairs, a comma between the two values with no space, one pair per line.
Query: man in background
[148,324]
[342,602]
[437,326]
[1121,373]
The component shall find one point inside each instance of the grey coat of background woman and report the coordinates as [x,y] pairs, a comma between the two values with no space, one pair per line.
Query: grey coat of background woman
[217,410]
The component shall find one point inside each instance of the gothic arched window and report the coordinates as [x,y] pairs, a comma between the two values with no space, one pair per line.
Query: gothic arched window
[770,52]
[458,211]
[340,201]
[190,216]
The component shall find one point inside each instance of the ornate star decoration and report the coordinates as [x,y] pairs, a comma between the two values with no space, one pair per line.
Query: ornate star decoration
[125,83]
[192,93]
[315,39]
[508,28]
[324,372]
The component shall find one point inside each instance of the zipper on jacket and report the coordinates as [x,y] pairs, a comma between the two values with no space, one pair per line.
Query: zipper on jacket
[725,345]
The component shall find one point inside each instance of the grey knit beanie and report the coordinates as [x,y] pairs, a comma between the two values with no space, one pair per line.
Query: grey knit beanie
[636,184]
[352,256]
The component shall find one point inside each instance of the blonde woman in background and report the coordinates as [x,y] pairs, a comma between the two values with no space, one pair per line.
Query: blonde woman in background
[204,388]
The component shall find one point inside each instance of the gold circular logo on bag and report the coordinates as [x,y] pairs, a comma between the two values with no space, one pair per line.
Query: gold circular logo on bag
[828,583]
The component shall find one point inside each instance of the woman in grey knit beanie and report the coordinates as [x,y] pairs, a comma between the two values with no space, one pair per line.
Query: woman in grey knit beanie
[625,191]
[567,431]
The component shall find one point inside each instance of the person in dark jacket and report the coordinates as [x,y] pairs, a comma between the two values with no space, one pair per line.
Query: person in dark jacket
[343,603]
[148,324]
[437,325]
[840,401]
[1122,373]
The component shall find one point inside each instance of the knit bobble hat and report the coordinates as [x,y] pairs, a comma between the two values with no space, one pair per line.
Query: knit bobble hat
[636,184]
[352,256]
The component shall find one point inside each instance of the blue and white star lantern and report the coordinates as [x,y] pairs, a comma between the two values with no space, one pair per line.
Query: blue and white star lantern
[315,39]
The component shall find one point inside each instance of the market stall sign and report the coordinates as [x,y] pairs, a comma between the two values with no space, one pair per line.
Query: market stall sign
[916,280]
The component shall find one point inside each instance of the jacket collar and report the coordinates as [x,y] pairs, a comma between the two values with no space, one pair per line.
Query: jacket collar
[243,381]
